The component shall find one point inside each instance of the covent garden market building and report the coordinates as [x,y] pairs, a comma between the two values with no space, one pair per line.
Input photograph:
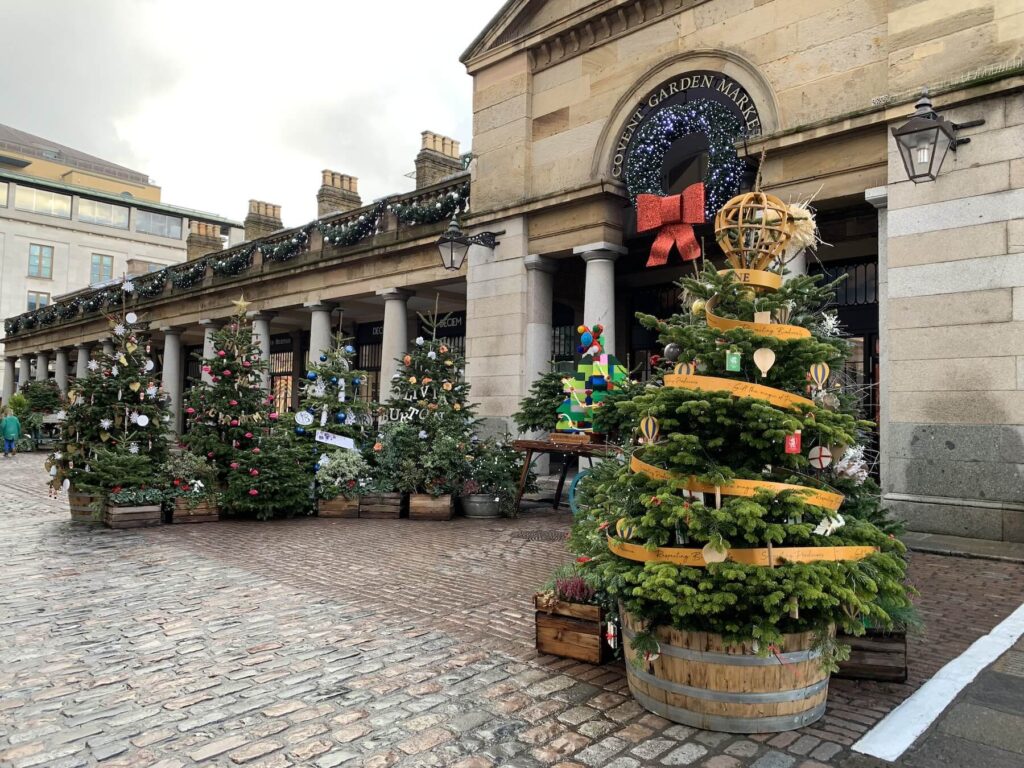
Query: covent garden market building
[578,106]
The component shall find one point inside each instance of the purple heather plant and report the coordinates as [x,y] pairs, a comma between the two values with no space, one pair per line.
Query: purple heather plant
[574,589]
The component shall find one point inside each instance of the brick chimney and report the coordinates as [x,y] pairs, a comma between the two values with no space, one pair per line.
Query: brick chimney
[202,239]
[263,218]
[438,157]
[338,193]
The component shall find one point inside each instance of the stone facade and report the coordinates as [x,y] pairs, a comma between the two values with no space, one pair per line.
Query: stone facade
[438,159]
[339,193]
[202,239]
[263,219]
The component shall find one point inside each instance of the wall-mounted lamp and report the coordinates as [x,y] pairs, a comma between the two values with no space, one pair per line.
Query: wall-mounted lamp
[453,245]
[925,138]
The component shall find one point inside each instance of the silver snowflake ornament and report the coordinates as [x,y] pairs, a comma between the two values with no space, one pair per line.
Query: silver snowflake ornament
[133,448]
[106,424]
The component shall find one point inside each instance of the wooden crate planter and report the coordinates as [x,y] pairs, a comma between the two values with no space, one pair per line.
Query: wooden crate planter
[423,506]
[339,507]
[82,507]
[382,506]
[572,631]
[700,681]
[875,655]
[203,512]
[132,517]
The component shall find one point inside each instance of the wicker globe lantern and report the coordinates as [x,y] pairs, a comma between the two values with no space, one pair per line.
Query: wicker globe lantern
[753,230]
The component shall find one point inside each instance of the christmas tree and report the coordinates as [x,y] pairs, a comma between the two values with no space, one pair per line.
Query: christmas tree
[726,520]
[232,422]
[114,428]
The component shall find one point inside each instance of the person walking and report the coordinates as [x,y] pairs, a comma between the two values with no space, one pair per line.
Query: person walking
[10,426]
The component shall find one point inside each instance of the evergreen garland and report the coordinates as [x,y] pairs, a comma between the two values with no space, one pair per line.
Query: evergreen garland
[351,231]
[441,209]
[287,249]
[234,263]
[152,285]
[68,310]
[189,274]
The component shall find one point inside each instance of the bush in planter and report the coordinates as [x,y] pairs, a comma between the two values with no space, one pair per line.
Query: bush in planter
[395,461]
[136,497]
[495,469]
[445,464]
[339,472]
[41,396]
[538,411]
[189,478]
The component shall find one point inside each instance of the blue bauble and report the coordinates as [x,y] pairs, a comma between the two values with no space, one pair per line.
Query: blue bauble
[357,381]
[316,467]
[311,375]
[349,349]
[581,349]
[587,339]
[340,418]
[334,379]
[300,430]
[323,358]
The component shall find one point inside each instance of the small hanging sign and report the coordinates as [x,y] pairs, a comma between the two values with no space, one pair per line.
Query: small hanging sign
[338,441]
[793,442]
[732,361]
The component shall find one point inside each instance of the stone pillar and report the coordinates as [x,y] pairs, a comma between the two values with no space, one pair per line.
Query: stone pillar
[60,369]
[24,369]
[82,361]
[171,376]
[209,328]
[42,366]
[396,337]
[261,335]
[539,298]
[298,368]
[108,347]
[9,378]
[879,198]
[319,329]
[599,298]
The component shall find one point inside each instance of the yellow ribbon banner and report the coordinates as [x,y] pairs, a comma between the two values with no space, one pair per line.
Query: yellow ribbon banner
[745,488]
[759,556]
[757,278]
[737,389]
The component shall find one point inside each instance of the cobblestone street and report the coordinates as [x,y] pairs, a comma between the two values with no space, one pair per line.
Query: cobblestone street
[359,643]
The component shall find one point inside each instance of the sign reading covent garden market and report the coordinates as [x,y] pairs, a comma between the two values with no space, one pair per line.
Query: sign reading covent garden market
[680,91]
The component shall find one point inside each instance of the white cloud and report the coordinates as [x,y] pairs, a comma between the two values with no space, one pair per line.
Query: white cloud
[220,102]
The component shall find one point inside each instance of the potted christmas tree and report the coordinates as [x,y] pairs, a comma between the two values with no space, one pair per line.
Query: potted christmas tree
[395,472]
[113,433]
[721,539]
[494,471]
[332,410]
[429,394]
[232,423]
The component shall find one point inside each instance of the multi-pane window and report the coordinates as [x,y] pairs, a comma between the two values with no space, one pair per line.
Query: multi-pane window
[42,201]
[37,299]
[3,193]
[102,269]
[107,214]
[158,224]
[40,260]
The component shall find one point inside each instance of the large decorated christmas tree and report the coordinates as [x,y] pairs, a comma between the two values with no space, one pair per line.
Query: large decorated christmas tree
[232,422]
[114,429]
[331,395]
[726,527]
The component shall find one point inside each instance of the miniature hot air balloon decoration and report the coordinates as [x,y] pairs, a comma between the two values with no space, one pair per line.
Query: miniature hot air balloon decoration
[623,530]
[650,429]
[764,359]
[686,369]
[819,374]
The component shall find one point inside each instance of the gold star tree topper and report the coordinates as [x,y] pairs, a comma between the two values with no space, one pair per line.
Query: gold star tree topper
[241,305]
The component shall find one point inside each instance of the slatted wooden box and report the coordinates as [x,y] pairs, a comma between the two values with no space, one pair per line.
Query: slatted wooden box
[132,517]
[572,631]
[82,509]
[423,506]
[339,507]
[382,505]
[875,655]
[203,512]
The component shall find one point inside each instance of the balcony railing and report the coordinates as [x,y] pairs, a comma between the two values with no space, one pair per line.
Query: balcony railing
[391,214]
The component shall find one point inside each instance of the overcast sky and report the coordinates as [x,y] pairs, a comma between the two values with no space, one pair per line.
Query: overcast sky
[221,101]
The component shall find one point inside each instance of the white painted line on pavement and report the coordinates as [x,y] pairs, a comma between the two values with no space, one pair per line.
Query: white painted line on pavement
[898,730]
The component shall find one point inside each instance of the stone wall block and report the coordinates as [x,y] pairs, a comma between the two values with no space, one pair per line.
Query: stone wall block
[967,308]
[970,242]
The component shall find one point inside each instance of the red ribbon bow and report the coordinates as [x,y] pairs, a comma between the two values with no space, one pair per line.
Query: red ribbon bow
[675,215]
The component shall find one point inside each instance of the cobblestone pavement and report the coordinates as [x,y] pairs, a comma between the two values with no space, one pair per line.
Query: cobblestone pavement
[358,643]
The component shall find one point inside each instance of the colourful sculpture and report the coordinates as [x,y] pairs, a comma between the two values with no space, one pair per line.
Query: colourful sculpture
[588,388]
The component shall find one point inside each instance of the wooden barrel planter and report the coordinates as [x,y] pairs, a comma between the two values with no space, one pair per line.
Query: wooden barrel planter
[132,517]
[875,655]
[83,509]
[338,507]
[571,630]
[698,680]
[203,512]
[423,506]
[383,506]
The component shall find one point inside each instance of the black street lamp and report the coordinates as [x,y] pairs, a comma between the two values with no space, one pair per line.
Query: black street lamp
[925,138]
[453,245]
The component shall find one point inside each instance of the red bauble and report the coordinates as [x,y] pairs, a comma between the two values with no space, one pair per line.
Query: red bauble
[221,353]
[234,422]
[254,472]
[253,492]
[226,371]
[209,455]
[273,416]
[249,435]
[234,465]
[190,411]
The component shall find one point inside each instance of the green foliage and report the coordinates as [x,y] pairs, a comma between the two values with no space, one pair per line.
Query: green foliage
[446,464]
[41,396]
[19,405]
[495,469]
[137,497]
[395,460]
[332,397]
[339,472]
[274,477]
[113,470]
[538,411]
[189,477]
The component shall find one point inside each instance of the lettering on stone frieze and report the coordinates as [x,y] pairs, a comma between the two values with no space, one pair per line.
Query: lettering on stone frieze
[712,86]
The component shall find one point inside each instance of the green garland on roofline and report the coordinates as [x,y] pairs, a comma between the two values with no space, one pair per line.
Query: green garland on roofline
[441,209]
[351,231]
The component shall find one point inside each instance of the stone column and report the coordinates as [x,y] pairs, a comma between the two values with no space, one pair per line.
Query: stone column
[171,376]
[396,337]
[42,366]
[319,330]
[539,297]
[60,369]
[298,368]
[24,369]
[82,361]
[261,335]
[108,347]
[209,328]
[878,197]
[9,378]
[599,299]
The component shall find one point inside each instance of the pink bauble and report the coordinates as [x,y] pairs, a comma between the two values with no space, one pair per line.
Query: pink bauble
[234,465]
[190,411]
[249,435]
[232,402]
[227,371]
[255,450]
[253,492]
[234,422]
[221,353]
[209,455]
[273,416]
[254,472]
[246,364]
[206,369]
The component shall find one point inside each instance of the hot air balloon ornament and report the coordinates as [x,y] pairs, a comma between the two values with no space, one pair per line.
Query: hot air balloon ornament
[650,429]
[686,369]
[819,374]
